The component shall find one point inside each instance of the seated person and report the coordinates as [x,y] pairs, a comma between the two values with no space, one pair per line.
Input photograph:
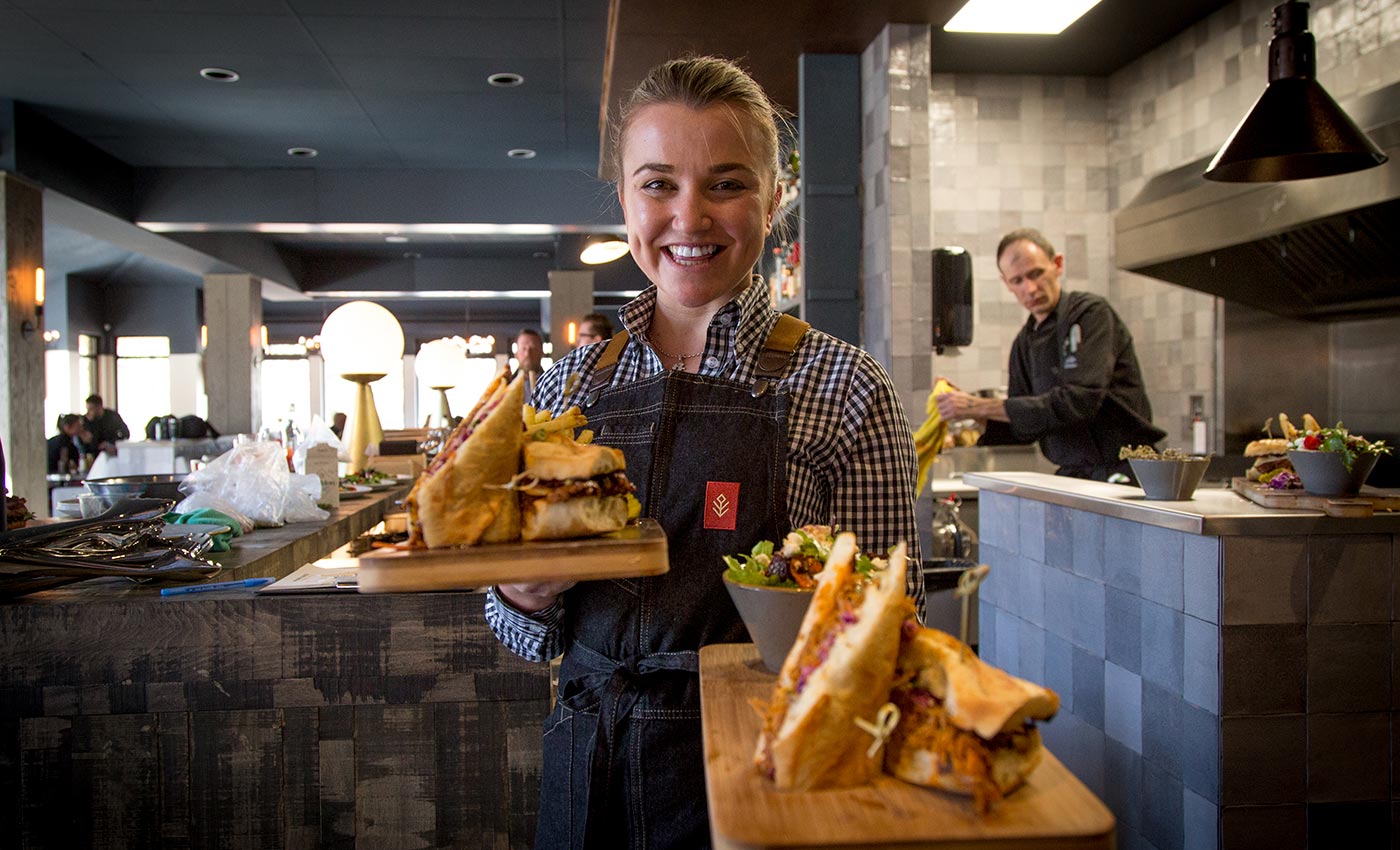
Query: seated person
[65,449]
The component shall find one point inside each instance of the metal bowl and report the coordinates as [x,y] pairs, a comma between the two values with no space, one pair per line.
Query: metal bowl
[1324,474]
[1169,480]
[152,486]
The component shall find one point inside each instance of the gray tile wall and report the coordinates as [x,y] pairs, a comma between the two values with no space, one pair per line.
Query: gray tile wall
[1122,621]
[1237,689]
[1065,154]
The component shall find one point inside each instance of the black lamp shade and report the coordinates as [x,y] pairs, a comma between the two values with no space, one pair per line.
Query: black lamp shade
[1294,131]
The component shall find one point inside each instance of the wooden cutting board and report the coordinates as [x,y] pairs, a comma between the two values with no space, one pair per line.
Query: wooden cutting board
[638,550]
[1053,809]
[1364,504]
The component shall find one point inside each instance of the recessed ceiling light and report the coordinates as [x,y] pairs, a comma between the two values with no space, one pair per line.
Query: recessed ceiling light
[505,80]
[520,153]
[302,152]
[396,238]
[219,75]
[412,255]
[1024,17]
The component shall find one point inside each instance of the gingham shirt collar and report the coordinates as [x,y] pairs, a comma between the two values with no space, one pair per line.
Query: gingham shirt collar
[736,331]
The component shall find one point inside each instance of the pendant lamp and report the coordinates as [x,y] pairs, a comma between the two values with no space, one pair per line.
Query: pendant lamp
[1295,130]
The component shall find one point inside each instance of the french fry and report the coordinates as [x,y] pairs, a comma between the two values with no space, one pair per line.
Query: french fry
[585,436]
[1289,431]
[1310,425]
[527,413]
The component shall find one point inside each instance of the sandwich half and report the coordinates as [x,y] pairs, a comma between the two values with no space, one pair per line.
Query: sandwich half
[571,489]
[838,671]
[463,498]
[965,726]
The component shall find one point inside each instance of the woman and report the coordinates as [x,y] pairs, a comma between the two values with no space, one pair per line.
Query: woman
[736,426]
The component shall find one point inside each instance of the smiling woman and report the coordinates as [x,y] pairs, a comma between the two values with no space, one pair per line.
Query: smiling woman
[768,425]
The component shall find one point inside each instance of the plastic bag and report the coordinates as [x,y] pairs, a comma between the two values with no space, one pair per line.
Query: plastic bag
[253,478]
[316,433]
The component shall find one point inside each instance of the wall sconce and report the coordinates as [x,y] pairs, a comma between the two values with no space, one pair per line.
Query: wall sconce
[203,336]
[603,249]
[27,328]
[571,333]
[362,342]
[440,364]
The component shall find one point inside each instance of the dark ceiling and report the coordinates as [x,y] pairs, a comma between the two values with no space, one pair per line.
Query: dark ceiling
[412,139]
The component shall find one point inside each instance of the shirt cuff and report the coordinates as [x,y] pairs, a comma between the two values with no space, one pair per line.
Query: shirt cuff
[526,635]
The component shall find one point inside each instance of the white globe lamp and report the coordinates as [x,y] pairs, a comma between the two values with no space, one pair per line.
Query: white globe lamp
[441,364]
[362,342]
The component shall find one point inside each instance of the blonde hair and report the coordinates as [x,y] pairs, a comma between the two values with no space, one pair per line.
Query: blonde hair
[699,82]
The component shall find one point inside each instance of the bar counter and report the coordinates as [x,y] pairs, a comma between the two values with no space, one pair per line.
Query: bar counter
[1227,672]
[228,719]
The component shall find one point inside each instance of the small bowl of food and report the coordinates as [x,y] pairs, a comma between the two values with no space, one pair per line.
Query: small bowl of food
[1169,476]
[1334,461]
[772,586]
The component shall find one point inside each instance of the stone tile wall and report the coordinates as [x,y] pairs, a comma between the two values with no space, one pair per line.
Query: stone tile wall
[1235,692]
[1065,154]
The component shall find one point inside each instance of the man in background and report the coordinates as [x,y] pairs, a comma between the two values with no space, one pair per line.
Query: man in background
[595,327]
[105,427]
[529,353]
[1075,385]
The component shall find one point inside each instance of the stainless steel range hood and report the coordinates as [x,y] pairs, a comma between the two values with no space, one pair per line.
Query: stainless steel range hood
[1317,249]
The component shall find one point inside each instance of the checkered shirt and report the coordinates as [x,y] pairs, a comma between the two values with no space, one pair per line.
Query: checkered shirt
[850,457]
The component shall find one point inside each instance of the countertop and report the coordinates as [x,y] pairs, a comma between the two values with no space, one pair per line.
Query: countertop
[275,552]
[1212,511]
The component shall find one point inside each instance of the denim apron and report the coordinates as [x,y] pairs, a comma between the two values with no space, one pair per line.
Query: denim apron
[622,746]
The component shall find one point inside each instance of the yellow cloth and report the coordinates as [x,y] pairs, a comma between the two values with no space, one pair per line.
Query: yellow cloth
[928,440]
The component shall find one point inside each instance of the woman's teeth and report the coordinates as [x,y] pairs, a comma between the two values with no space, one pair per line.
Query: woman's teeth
[691,252]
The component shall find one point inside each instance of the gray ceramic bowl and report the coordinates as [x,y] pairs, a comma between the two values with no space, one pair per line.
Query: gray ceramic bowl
[1169,480]
[1324,474]
[773,616]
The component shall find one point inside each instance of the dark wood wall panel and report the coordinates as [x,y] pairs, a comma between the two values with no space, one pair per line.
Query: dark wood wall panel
[334,721]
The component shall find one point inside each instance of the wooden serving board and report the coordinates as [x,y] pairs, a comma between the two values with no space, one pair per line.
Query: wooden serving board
[638,550]
[1364,504]
[1053,808]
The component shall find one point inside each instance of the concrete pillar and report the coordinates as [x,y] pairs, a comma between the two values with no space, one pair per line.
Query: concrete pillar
[570,299]
[22,379]
[233,316]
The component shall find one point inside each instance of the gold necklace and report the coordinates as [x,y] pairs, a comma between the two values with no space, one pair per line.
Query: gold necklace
[679,358]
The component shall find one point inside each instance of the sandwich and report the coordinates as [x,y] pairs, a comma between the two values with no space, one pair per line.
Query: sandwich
[571,489]
[1271,453]
[965,726]
[837,676]
[463,498]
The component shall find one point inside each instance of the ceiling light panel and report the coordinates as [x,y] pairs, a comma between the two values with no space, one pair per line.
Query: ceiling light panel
[1021,17]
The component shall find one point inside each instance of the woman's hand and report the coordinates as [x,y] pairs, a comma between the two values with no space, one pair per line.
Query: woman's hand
[534,596]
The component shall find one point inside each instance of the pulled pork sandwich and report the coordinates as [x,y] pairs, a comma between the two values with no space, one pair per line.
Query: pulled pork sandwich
[462,499]
[837,676]
[571,489]
[1270,453]
[965,726]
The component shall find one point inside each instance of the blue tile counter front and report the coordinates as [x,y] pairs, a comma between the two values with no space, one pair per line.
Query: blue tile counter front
[1227,673]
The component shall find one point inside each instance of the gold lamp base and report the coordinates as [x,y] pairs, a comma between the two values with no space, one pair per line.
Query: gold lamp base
[443,417]
[365,429]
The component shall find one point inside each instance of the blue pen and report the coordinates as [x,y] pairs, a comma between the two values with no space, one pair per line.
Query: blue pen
[218,585]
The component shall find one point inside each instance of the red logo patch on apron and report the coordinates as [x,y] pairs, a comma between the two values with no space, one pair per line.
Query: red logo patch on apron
[721,504]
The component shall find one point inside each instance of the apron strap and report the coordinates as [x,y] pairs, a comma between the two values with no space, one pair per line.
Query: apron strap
[606,365]
[618,686]
[777,351]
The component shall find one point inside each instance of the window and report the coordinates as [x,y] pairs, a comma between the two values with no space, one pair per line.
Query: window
[479,372]
[286,390]
[143,380]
